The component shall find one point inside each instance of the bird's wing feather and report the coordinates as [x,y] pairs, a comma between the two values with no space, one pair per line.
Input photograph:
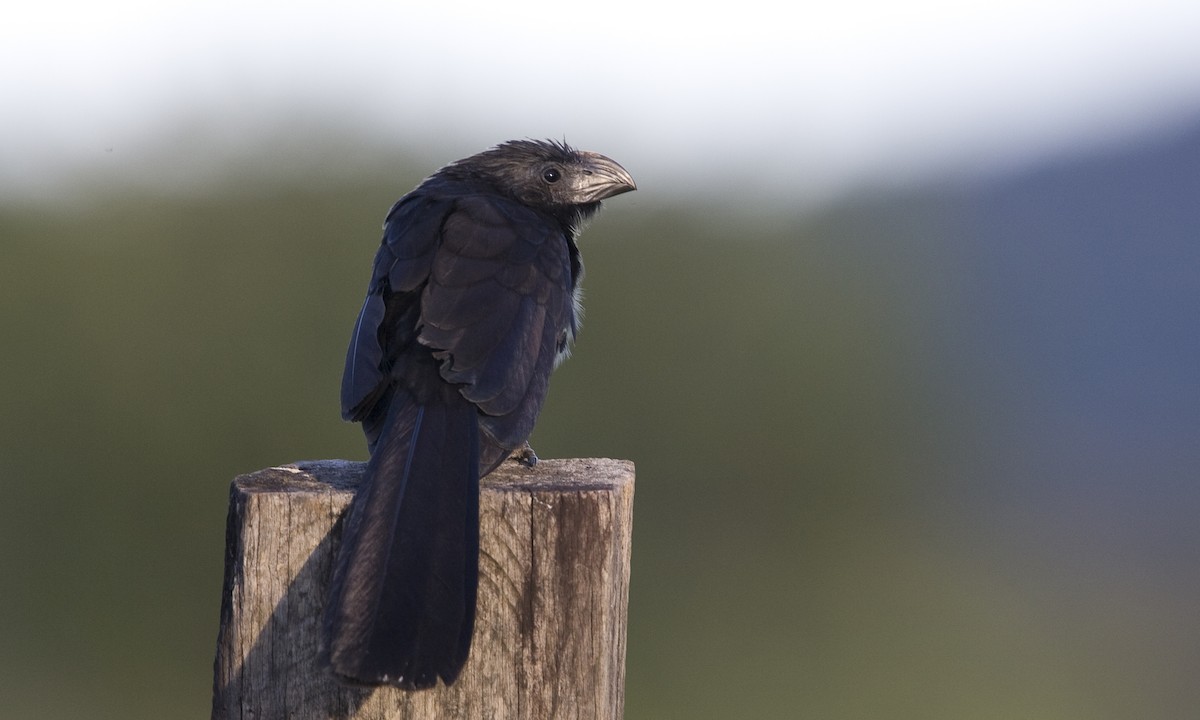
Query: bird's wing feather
[410,238]
[497,300]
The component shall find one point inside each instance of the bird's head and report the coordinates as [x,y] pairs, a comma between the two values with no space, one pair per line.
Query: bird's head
[548,175]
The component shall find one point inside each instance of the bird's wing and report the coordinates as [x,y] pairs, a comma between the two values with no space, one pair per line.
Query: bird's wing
[495,308]
[405,255]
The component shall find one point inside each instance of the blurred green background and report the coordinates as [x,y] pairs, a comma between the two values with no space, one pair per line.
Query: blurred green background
[902,330]
[914,456]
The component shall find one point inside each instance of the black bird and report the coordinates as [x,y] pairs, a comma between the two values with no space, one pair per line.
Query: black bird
[474,298]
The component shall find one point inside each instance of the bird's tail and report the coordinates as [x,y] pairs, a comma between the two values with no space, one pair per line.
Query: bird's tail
[402,601]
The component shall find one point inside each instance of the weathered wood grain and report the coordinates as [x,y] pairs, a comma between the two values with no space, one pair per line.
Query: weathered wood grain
[553,593]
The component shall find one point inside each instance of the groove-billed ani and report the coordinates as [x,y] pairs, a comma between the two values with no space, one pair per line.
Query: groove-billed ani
[473,300]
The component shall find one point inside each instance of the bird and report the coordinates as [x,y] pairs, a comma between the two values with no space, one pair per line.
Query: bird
[474,299]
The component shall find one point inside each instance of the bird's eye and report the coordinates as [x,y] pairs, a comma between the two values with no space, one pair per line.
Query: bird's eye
[551,175]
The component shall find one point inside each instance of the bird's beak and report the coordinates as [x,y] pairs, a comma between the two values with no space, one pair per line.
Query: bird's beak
[602,178]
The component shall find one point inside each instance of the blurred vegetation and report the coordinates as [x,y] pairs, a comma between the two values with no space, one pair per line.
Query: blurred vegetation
[791,388]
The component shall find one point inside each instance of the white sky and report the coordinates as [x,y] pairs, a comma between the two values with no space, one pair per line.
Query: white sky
[802,99]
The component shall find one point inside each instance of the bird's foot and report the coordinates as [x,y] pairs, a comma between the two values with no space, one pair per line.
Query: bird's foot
[524,455]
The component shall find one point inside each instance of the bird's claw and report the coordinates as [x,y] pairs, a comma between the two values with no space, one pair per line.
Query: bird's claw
[525,455]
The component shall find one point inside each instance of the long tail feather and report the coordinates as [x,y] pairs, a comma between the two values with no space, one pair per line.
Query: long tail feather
[402,600]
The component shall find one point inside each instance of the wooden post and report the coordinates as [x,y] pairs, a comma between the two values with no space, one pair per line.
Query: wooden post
[553,593]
